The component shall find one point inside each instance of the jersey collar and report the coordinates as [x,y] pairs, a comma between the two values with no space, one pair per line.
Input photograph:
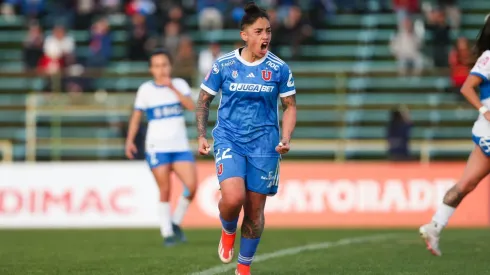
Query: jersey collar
[245,62]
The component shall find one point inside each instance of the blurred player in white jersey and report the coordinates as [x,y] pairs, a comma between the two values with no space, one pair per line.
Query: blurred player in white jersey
[163,100]
[478,165]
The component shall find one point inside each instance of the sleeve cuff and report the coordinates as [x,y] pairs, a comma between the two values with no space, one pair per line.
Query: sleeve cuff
[484,78]
[208,90]
[287,93]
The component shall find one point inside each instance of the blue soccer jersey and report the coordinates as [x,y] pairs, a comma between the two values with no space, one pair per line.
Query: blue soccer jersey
[248,110]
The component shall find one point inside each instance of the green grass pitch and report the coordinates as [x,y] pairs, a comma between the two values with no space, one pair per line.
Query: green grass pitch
[24,252]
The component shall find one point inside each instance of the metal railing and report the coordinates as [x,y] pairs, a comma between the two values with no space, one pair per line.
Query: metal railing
[117,105]
[57,108]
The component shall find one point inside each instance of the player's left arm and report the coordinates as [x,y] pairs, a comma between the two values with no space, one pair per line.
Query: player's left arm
[287,92]
[183,93]
[288,118]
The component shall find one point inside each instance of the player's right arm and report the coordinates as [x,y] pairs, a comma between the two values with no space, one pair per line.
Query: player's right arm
[202,115]
[480,73]
[134,124]
[209,88]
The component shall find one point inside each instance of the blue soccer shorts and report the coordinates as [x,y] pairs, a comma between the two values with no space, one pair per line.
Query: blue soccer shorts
[155,159]
[261,174]
[483,143]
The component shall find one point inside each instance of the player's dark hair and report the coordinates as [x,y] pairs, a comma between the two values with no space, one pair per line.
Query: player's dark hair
[483,39]
[160,52]
[252,13]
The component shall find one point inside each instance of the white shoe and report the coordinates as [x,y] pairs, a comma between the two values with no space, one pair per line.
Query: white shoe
[431,235]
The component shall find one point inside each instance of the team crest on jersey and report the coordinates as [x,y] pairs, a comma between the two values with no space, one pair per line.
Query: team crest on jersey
[266,75]
[234,74]
[220,169]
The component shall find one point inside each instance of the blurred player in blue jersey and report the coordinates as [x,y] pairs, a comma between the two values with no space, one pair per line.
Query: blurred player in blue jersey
[167,148]
[478,165]
[247,144]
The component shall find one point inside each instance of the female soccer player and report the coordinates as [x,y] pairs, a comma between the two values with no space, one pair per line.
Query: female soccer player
[478,165]
[247,147]
[167,146]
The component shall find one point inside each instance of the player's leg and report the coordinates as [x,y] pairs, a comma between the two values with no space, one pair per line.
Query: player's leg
[183,165]
[160,167]
[477,167]
[231,169]
[252,228]
[262,181]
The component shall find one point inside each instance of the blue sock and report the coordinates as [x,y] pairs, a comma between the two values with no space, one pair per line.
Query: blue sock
[247,250]
[229,226]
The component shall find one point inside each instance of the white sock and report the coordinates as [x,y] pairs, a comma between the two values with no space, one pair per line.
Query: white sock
[442,215]
[180,210]
[165,220]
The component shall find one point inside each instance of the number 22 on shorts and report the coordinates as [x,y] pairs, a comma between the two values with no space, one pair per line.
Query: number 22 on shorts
[220,157]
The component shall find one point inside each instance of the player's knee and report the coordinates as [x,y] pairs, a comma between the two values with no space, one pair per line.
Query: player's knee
[233,200]
[190,192]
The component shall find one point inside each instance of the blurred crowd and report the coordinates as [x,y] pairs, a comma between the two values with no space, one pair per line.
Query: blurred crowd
[50,48]
[446,49]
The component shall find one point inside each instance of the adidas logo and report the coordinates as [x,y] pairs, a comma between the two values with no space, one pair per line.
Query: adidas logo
[251,75]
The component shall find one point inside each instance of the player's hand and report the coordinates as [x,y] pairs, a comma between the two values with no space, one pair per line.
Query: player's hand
[487,115]
[203,146]
[283,147]
[131,150]
[167,81]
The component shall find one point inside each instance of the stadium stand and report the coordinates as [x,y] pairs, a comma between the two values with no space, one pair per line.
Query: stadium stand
[346,79]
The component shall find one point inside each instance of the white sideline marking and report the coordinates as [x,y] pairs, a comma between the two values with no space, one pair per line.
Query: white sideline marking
[296,250]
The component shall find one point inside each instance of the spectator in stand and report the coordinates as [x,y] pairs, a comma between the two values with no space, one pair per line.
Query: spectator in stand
[146,8]
[185,61]
[276,26]
[321,11]
[460,60]
[404,9]
[85,11]
[441,36]
[452,11]
[235,15]
[297,29]
[176,15]
[406,46]
[33,46]
[100,48]
[33,9]
[139,42]
[210,16]
[207,57]
[110,6]
[171,37]
[64,11]
[59,51]
[398,135]
[360,5]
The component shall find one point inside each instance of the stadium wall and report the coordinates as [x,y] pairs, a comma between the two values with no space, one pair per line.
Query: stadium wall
[312,194]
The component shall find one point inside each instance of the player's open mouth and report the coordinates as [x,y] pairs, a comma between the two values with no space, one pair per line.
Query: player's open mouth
[263,47]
